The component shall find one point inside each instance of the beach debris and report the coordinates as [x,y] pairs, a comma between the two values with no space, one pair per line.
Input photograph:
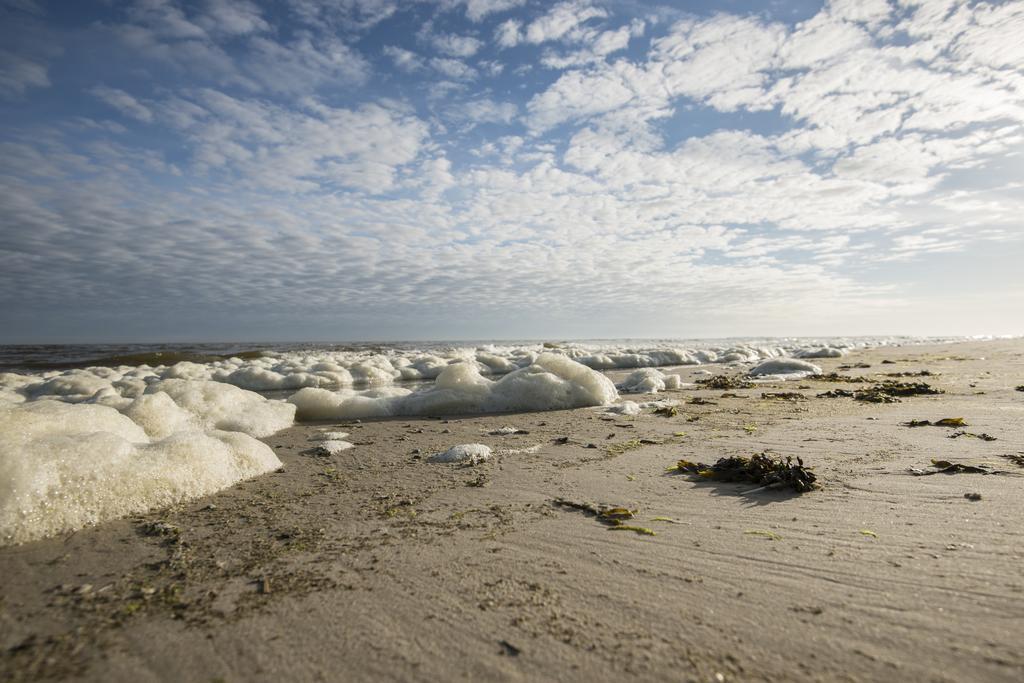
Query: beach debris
[615,449]
[560,440]
[468,453]
[699,401]
[507,431]
[891,392]
[507,648]
[919,373]
[1020,388]
[836,377]
[667,520]
[855,366]
[1016,459]
[868,532]
[727,394]
[984,437]
[332,447]
[723,382]
[973,497]
[769,535]
[666,411]
[750,428]
[263,585]
[760,469]
[944,422]
[948,467]
[614,517]
[836,393]
[783,396]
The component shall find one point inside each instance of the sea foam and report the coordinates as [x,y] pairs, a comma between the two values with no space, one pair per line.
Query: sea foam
[90,444]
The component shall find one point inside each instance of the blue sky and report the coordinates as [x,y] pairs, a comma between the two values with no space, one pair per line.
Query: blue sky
[373,169]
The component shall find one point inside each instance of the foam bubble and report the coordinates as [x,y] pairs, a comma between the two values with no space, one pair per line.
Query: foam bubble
[471,453]
[785,368]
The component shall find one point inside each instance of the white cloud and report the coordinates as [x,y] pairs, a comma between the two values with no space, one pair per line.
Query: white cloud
[455,45]
[18,74]
[508,33]
[123,102]
[405,60]
[483,110]
[476,10]
[232,17]
[561,20]
[600,44]
[453,68]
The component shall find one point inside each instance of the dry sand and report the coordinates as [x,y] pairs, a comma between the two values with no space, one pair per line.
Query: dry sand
[377,565]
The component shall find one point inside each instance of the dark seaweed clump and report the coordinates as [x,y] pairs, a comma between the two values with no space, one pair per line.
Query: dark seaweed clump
[760,469]
[836,377]
[725,382]
[891,392]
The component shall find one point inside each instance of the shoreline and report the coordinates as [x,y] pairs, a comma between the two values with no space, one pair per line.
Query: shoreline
[373,563]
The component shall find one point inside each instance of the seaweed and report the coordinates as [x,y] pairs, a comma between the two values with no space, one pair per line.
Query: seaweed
[770,535]
[783,396]
[855,366]
[760,469]
[666,411]
[891,392]
[836,393]
[724,382]
[919,373]
[614,449]
[944,422]
[1016,459]
[948,467]
[962,432]
[1020,388]
[614,517]
[836,377]
[698,401]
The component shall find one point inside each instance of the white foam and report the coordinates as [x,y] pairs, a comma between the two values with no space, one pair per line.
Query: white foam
[470,453]
[785,368]
[823,352]
[649,381]
[64,466]
[222,406]
[625,408]
[551,382]
[334,446]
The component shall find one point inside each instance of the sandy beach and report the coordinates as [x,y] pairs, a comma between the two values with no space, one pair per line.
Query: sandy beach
[375,564]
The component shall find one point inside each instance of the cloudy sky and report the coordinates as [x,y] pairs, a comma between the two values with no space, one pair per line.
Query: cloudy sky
[445,169]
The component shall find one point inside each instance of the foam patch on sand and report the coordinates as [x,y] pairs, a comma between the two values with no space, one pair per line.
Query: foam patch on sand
[649,381]
[551,382]
[785,368]
[469,453]
[64,466]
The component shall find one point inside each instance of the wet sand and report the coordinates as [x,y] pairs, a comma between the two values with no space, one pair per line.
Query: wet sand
[374,564]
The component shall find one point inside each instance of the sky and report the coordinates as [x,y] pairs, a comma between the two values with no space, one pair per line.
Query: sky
[215,170]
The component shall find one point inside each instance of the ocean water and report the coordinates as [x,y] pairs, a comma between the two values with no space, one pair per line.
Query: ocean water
[94,432]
